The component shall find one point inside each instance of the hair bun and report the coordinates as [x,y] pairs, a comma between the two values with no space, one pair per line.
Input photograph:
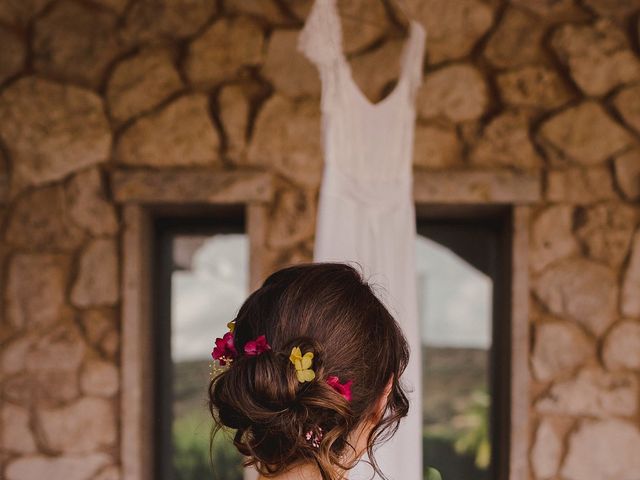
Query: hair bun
[261,397]
[289,408]
[250,391]
[267,380]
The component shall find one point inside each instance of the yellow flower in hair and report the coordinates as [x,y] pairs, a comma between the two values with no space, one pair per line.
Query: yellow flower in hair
[231,325]
[302,364]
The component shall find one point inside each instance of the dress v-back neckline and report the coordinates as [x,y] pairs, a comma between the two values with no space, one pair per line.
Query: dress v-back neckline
[399,83]
[403,64]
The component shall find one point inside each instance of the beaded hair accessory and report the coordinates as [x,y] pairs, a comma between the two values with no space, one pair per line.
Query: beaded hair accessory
[314,436]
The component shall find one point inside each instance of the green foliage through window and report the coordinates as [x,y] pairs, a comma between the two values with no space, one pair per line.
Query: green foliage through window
[191,450]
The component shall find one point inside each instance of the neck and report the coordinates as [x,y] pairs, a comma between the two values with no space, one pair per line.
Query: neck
[309,471]
[306,471]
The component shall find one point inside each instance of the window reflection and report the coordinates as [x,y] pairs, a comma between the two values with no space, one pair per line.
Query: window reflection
[208,284]
[455,308]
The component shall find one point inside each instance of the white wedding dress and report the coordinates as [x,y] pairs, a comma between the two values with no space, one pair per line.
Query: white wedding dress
[366,211]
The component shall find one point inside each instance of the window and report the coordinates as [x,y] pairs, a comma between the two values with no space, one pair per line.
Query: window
[461,268]
[201,281]
[144,195]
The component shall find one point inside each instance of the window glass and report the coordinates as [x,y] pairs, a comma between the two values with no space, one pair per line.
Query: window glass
[455,308]
[209,282]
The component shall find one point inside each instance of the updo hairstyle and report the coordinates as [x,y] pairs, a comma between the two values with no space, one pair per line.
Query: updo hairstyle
[330,310]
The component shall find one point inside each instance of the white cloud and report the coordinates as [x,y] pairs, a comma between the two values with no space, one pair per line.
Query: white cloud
[454,298]
[208,296]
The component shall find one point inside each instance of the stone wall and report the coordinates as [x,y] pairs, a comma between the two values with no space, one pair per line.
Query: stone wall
[89,87]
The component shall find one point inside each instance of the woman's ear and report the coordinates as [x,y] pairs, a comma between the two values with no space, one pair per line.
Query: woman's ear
[382,401]
[362,432]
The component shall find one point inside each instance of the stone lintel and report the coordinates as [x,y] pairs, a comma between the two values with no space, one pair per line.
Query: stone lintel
[191,186]
[499,186]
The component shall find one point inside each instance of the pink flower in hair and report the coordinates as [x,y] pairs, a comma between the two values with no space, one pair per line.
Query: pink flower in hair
[224,351]
[343,389]
[257,346]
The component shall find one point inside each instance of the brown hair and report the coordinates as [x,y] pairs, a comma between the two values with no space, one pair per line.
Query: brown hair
[329,309]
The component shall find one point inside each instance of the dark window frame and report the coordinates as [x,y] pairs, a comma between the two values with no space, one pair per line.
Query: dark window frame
[443,227]
[228,219]
[453,227]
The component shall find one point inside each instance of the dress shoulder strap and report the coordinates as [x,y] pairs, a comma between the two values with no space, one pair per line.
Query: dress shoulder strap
[321,38]
[415,56]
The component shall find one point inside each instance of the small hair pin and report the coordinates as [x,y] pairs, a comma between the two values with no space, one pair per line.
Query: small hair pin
[314,436]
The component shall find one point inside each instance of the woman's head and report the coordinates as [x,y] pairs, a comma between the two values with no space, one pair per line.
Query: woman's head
[330,310]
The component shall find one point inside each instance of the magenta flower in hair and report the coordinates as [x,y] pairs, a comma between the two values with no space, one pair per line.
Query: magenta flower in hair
[343,389]
[224,351]
[257,346]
